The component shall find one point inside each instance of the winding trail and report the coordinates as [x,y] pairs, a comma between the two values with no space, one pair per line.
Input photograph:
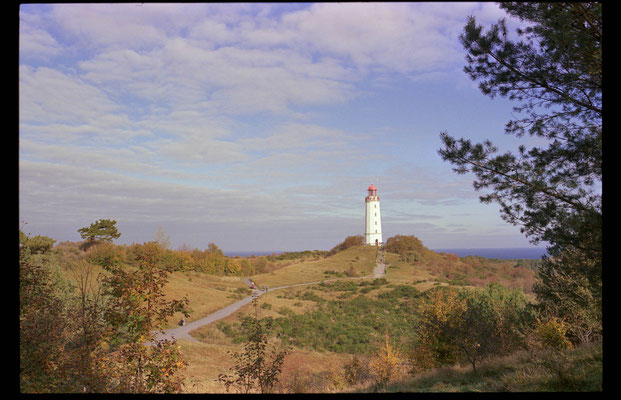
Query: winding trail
[183,332]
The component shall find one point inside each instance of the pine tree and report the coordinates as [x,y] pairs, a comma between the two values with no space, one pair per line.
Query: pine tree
[102,230]
[554,194]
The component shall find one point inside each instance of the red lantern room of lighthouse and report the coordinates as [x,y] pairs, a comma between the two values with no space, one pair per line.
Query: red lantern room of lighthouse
[372,194]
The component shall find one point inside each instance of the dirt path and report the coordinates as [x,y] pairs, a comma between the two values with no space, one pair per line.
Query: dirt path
[380,270]
[183,332]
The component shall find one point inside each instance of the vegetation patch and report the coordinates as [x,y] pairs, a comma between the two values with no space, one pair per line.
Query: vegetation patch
[350,324]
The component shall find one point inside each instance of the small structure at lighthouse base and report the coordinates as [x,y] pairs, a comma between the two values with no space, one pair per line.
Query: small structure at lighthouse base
[373,222]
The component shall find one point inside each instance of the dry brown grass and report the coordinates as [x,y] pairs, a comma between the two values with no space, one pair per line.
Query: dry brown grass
[401,272]
[313,270]
[303,371]
[206,362]
[206,293]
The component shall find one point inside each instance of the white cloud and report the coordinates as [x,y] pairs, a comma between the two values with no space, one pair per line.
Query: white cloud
[116,25]
[49,96]
[207,152]
[37,43]
[50,193]
[398,37]
[223,117]
[233,80]
[296,135]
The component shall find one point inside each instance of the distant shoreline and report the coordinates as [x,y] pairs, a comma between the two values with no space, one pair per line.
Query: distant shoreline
[506,253]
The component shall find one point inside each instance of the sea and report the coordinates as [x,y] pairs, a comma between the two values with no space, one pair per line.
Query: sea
[252,253]
[500,253]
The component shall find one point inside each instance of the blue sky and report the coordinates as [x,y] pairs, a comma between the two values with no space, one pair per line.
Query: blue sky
[252,126]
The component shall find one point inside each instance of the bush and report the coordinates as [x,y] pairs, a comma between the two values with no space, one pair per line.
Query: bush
[349,241]
[400,291]
[551,334]
[356,370]
[255,368]
[386,363]
[469,325]
[105,254]
[403,244]
[37,244]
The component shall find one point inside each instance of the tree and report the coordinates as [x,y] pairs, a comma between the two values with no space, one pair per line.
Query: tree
[213,248]
[441,311]
[61,323]
[88,330]
[89,334]
[37,244]
[254,367]
[103,230]
[43,325]
[553,193]
[491,323]
[137,311]
[161,238]
[469,325]
[232,267]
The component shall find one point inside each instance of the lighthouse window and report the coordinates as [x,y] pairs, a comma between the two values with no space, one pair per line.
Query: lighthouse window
[374,205]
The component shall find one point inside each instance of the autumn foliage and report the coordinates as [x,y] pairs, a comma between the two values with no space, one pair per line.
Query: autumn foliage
[91,333]
[88,318]
[258,367]
[386,363]
[469,325]
[464,271]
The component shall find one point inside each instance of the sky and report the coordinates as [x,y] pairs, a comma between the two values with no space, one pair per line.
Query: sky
[257,127]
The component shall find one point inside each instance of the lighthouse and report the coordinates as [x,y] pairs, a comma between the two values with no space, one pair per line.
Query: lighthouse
[373,222]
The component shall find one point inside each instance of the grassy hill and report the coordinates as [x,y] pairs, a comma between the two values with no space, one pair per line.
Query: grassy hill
[308,366]
[328,321]
[209,293]
[360,258]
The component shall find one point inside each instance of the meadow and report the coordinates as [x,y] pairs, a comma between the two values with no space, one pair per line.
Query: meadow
[328,324]
[336,324]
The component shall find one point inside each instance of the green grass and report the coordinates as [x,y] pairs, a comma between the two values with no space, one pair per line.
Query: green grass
[346,316]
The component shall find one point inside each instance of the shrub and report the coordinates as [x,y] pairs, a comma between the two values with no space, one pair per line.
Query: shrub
[349,241]
[552,334]
[105,254]
[468,325]
[37,244]
[385,364]
[356,370]
[334,376]
[43,325]
[255,367]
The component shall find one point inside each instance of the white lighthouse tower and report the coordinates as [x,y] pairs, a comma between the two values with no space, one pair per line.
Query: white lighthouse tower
[373,222]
